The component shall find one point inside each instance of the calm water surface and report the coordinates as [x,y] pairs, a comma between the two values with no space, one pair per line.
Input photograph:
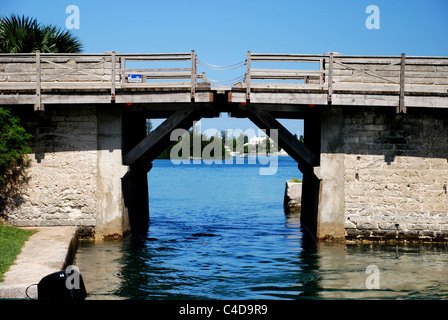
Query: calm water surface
[220,232]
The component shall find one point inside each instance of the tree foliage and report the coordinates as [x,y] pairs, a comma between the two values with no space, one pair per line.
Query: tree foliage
[14,142]
[26,35]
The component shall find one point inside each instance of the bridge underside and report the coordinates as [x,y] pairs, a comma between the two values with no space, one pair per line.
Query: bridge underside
[140,150]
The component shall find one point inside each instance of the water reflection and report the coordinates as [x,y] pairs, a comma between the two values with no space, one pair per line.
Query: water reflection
[100,264]
[147,268]
[220,232]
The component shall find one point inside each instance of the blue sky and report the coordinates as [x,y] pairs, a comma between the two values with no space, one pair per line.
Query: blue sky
[221,32]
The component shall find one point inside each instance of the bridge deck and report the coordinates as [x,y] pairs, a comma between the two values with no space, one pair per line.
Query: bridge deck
[396,81]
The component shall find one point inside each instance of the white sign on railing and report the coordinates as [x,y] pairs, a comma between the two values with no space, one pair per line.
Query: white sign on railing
[135,78]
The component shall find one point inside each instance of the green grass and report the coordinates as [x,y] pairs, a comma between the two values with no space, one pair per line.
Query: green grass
[295,180]
[12,240]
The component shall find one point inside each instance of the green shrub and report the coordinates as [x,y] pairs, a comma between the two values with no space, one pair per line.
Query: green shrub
[14,141]
[14,144]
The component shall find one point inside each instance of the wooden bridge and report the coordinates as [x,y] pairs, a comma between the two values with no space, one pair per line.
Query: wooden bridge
[359,112]
[397,81]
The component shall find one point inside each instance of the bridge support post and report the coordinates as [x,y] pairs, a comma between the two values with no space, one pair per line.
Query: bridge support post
[135,181]
[330,223]
[136,199]
[110,222]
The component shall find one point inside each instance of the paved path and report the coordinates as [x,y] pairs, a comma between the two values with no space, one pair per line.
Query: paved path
[47,251]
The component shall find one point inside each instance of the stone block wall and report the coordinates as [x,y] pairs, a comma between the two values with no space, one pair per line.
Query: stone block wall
[396,173]
[62,172]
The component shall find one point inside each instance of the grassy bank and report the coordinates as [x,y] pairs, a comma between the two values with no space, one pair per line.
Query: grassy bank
[12,240]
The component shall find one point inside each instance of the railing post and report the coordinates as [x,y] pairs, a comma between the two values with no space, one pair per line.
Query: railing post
[321,68]
[330,78]
[194,72]
[248,61]
[122,70]
[112,79]
[38,106]
[401,105]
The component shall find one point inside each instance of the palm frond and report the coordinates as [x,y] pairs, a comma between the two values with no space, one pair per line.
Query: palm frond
[26,35]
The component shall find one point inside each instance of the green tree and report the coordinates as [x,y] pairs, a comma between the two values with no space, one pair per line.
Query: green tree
[26,35]
[14,142]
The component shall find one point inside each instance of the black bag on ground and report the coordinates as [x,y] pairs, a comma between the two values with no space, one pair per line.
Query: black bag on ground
[62,285]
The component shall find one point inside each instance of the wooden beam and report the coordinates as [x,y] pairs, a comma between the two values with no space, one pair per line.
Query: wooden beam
[112,77]
[248,74]
[401,105]
[330,78]
[193,75]
[153,144]
[297,150]
[38,105]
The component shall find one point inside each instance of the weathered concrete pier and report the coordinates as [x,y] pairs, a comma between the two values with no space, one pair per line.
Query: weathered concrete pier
[374,161]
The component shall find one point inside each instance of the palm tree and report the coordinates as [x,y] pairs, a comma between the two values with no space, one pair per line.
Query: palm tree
[26,35]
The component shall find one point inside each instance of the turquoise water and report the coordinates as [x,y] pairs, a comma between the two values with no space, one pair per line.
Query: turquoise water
[220,232]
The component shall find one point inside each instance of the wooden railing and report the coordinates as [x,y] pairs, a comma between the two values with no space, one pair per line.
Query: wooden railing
[331,73]
[364,74]
[107,71]
[308,76]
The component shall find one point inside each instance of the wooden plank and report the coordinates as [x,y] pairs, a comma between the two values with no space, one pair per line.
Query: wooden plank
[284,74]
[164,75]
[151,146]
[157,57]
[364,100]
[258,70]
[173,84]
[363,71]
[103,98]
[153,70]
[38,106]
[330,78]
[11,99]
[288,86]
[283,77]
[426,101]
[366,87]
[248,75]
[154,97]
[289,98]
[286,57]
[112,78]
[193,74]
[401,105]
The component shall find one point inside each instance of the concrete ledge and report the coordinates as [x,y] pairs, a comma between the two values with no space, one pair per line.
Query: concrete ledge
[49,250]
[293,198]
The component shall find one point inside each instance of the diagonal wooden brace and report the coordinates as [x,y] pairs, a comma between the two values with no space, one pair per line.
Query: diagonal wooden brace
[152,145]
[286,140]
